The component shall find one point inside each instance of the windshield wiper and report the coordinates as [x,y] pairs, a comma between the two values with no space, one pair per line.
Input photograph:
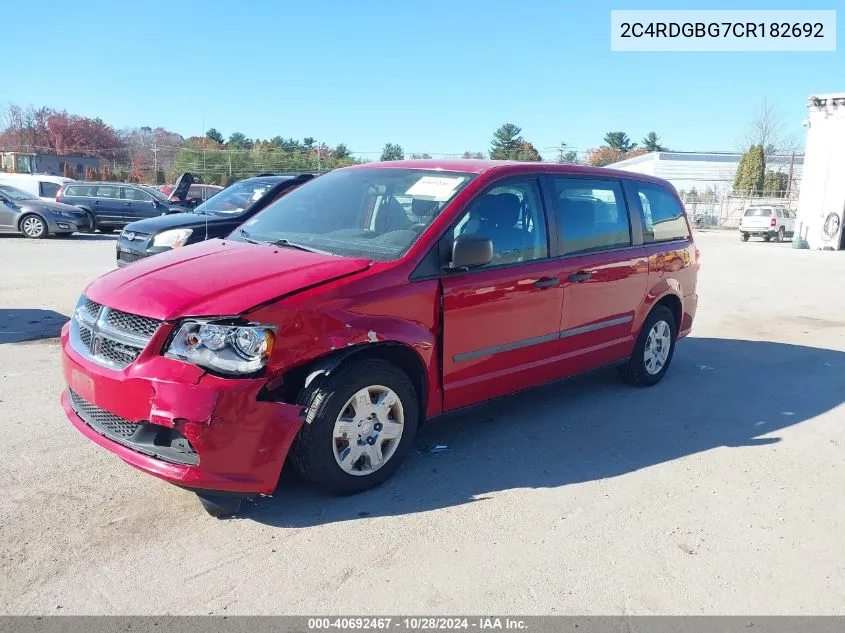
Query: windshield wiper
[300,247]
[247,238]
[281,242]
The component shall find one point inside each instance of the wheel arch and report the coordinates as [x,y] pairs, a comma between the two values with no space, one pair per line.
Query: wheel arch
[400,354]
[26,214]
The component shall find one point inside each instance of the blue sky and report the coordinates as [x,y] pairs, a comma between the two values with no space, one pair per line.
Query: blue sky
[435,76]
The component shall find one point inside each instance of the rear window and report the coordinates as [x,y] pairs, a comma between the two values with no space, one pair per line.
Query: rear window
[78,190]
[758,213]
[662,216]
[48,189]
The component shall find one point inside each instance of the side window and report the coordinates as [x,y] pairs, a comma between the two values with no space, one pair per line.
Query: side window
[130,193]
[512,216]
[78,190]
[663,218]
[48,189]
[107,191]
[592,215]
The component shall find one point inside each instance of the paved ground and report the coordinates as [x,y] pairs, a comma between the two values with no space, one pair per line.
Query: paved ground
[718,491]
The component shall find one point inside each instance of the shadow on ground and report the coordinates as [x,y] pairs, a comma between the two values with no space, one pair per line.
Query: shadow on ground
[27,324]
[74,237]
[718,393]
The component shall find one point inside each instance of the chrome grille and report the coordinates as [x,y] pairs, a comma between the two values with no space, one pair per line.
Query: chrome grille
[132,323]
[101,420]
[109,337]
[92,307]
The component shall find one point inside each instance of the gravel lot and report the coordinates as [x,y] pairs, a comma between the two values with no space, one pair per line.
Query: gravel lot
[717,492]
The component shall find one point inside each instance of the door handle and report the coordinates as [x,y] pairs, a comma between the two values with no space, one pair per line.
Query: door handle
[96,202]
[546,282]
[581,275]
[127,204]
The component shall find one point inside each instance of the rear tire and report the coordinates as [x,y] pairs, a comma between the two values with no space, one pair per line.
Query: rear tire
[333,406]
[781,235]
[653,350]
[767,238]
[744,236]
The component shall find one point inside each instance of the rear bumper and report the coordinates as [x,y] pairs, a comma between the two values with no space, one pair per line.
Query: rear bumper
[758,231]
[689,305]
[241,443]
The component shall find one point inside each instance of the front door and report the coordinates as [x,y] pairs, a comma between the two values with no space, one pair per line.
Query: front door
[501,321]
[107,205]
[605,274]
[9,213]
[137,205]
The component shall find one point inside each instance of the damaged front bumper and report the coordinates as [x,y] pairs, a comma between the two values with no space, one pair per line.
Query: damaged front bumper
[172,420]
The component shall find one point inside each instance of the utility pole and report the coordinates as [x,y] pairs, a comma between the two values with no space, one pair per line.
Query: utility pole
[560,150]
[789,180]
[154,150]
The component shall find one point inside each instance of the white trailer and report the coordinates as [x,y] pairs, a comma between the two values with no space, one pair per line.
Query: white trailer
[821,201]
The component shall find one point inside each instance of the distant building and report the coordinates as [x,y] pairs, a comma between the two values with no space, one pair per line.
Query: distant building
[27,162]
[45,164]
[821,205]
[701,170]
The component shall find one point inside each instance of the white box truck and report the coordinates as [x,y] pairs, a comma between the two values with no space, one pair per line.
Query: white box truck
[821,200]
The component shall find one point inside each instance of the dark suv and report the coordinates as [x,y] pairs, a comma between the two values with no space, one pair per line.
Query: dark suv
[113,205]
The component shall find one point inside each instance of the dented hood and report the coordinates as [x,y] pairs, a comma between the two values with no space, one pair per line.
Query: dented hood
[216,278]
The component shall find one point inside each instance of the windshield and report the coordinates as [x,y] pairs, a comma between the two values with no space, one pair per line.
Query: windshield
[376,213]
[16,194]
[234,199]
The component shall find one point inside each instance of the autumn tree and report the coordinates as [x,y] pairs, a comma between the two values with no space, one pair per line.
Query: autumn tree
[651,143]
[602,156]
[527,152]
[392,151]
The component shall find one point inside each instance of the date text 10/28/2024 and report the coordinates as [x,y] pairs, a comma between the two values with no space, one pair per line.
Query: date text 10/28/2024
[419,623]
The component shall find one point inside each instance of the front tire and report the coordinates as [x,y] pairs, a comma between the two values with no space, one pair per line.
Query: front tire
[33,227]
[360,425]
[106,229]
[653,350]
[781,235]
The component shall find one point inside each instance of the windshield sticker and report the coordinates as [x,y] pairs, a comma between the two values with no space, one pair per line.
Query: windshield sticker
[438,188]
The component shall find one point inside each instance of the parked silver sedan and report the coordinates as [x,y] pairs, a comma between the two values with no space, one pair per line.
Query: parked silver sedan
[21,212]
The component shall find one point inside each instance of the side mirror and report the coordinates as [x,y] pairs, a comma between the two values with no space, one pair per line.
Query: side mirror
[470,251]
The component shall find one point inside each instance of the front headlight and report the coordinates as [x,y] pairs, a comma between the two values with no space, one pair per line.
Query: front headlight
[61,213]
[173,239]
[225,347]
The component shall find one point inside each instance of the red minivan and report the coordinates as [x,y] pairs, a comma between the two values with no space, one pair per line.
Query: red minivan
[327,328]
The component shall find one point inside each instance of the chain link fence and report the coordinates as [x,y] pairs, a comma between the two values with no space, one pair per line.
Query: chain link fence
[726,210]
